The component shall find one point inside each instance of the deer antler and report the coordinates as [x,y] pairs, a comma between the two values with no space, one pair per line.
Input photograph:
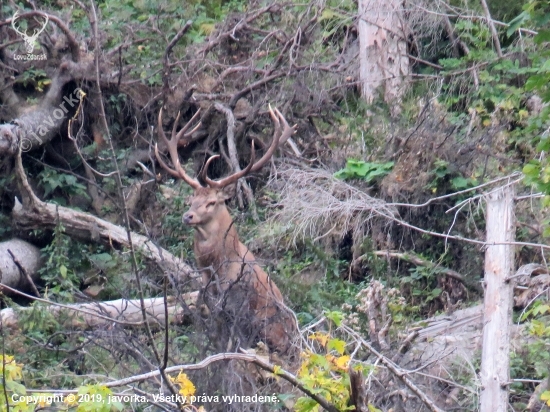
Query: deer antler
[288,131]
[172,146]
[231,178]
[278,137]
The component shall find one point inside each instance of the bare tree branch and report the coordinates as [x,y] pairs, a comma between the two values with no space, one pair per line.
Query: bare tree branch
[494,33]
[395,370]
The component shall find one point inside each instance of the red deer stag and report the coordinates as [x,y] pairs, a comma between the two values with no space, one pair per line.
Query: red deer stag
[246,302]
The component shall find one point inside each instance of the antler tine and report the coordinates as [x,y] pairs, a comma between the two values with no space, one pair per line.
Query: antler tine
[172,146]
[287,131]
[172,172]
[218,184]
[183,132]
[175,125]
[161,130]
[278,137]
[204,171]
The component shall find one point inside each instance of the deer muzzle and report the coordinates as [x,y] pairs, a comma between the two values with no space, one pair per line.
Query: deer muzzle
[188,218]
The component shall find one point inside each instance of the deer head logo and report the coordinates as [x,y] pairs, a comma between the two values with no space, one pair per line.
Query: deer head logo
[29,40]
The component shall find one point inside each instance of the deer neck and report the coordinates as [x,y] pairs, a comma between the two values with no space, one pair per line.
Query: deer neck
[216,239]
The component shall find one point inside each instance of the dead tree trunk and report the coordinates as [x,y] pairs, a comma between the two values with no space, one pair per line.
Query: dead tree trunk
[498,302]
[101,314]
[88,227]
[382,50]
[19,264]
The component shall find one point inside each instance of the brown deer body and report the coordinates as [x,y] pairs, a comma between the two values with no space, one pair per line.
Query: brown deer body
[234,285]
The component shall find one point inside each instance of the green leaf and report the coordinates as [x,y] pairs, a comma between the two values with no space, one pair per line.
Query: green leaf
[542,36]
[337,345]
[305,405]
[460,183]
[545,67]
[16,387]
[360,169]
[542,309]
[319,360]
[532,169]
[517,22]
[335,316]
[63,271]
[119,406]
[103,261]
[535,82]
[436,292]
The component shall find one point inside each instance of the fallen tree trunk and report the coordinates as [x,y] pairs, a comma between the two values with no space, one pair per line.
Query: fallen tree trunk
[19,264]
[36,214]
[94,314]
[87,227]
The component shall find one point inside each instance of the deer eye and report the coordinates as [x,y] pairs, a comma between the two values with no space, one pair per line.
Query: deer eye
[212,203]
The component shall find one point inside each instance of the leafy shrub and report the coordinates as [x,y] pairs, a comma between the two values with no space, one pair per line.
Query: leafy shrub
[359,169]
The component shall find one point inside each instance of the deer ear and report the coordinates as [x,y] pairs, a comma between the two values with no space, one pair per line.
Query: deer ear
[228,191]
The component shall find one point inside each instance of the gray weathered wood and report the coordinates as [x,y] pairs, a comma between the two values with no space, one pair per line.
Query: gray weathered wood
[383,56]
[97,314]
[27,255]
[498,301]
[88,227]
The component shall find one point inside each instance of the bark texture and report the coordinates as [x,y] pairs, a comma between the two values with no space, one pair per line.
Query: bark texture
[121,311]
[383,50]
[498,301]
[15,267]
[87,227]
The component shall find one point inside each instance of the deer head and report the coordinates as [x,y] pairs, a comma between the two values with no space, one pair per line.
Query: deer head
[208,202]
[29,40]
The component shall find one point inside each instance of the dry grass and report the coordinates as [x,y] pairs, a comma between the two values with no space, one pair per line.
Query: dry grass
[313,204]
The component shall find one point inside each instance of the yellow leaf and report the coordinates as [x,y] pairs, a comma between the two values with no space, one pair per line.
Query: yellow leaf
[320,337]
[277,370]
[71,400]
[44,399]
[186,386]
[342,362]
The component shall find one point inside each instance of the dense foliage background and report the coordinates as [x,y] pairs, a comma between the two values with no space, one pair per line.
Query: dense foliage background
[334,219]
